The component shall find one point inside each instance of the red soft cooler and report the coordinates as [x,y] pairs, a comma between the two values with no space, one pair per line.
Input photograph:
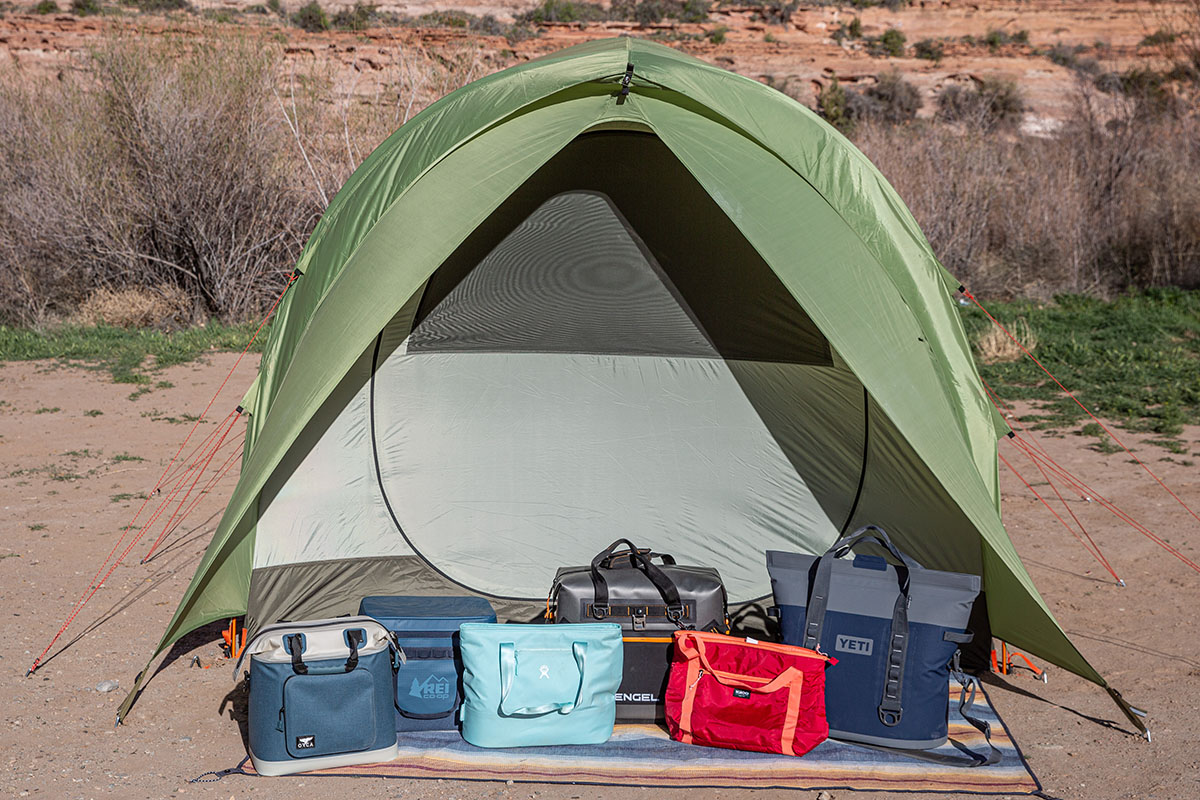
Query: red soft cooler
[743,694]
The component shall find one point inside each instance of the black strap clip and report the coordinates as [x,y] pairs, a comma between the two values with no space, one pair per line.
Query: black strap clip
[625,81]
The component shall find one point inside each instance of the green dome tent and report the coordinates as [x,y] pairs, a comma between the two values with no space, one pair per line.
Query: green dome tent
[566,303]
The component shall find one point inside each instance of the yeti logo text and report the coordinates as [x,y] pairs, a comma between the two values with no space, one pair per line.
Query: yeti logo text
[853,645]
[432,688]
[543,672]
[306,742]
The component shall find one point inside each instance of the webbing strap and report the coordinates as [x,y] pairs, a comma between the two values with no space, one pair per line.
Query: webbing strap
[508,675]
[890,709]
[965,702]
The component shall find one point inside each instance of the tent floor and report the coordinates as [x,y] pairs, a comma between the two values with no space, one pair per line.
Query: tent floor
[644,756]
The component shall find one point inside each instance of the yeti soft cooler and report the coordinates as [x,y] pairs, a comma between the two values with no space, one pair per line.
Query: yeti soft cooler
[894,627]
[321,695]
[428,686]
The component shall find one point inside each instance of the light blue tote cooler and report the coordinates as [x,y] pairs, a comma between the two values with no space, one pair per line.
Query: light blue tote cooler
[533,684]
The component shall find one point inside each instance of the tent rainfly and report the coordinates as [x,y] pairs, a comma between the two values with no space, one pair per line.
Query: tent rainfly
[614,290]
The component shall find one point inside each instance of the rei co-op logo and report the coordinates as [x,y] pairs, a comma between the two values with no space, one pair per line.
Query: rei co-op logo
[853,645]
[432,688]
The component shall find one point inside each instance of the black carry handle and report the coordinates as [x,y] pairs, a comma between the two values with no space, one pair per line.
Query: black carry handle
[611,560]
[665,586]
[890,709]
[295,643]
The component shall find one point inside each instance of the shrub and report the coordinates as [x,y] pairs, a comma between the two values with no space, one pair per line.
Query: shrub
[46,7]
[930,50]
[717,34]
[996,38]
[694,11]
[84,8]
[831,104]
[892,100]
[891,43]
[778,12]
[563,11]
[152,6]
[356,18]
[990,104]
[162,169]
[994,346]
[519,32]
[311,17]
[1145,86]
[165,307]
[1160,37]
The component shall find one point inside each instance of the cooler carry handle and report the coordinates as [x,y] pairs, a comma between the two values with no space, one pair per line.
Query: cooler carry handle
[790,678]
[508,675]
[844,545]
[665,586]
[890,710]
[666,559]
[294,642]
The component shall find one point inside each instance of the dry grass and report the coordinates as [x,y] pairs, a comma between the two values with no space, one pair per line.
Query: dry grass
[1109,203]
[994,346]
[166,308]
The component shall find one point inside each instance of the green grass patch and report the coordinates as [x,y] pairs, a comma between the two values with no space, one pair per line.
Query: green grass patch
[124,352]
[51,471]
[119,457]
[1134,360]
[37,526]
[45,410]
[126,496]
[93,412]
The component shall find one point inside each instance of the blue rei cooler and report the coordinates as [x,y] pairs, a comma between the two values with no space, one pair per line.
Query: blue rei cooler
[429,685]
[894,629]
[321,695]
[540,684]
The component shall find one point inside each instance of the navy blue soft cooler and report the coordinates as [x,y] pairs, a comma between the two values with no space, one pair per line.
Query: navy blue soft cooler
[321,695]
[429,685]
[884,690]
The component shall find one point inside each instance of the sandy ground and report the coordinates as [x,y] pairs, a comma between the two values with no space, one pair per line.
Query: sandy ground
[61,486]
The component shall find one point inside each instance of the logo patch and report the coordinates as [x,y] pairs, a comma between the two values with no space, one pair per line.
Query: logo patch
[741,693]
[853,645]
[636,697]
[306,742]
[432,688]
[543,671]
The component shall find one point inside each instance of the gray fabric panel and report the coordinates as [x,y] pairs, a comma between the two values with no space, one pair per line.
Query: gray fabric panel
[324,589]
[935,598]
[536,461]
[572,278]
[323,500]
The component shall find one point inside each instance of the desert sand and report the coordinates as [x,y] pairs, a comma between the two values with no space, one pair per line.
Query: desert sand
[67,487]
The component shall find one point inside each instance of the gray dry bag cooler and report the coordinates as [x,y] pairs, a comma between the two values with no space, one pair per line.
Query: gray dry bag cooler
[650,602]
[321,695]
[429,685]
[893,627]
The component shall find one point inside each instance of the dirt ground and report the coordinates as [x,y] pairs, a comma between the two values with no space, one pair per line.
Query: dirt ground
[66,438]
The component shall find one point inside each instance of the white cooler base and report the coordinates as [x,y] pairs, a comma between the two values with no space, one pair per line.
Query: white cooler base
[294,765]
